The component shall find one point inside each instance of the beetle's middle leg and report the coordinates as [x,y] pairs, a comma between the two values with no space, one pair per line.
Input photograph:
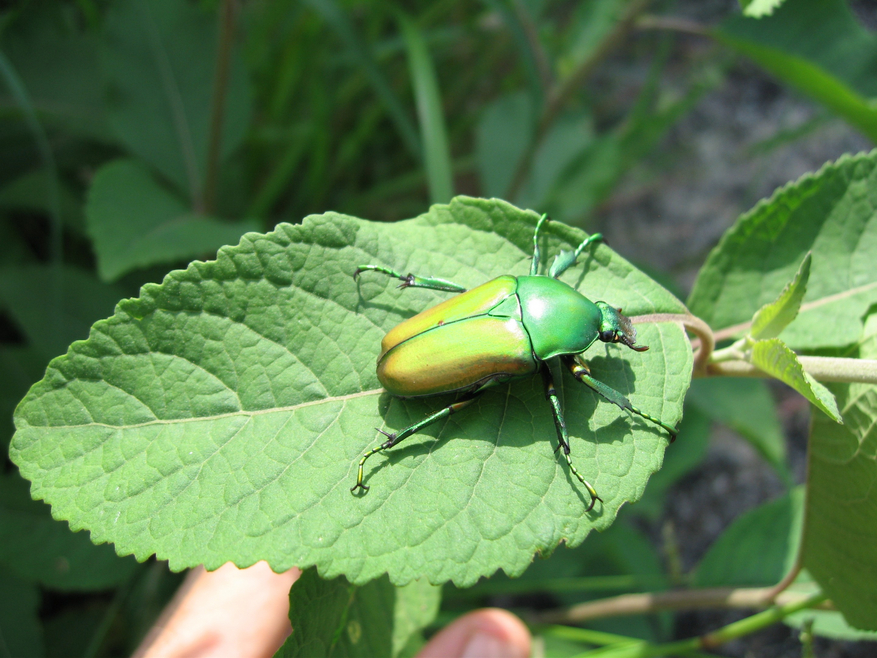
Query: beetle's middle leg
[562,434]
[401,435]
[412,280]
[582,373]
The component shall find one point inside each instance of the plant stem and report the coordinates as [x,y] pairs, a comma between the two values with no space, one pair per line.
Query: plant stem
[758,621]
[822,368]
[694,646]
[651,22]
[637,604]
[787,580]
[217,112]
[692,324]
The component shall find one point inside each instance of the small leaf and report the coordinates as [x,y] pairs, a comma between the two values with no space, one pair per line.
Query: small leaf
[776,359]
[772,318]
[135,222]
[335,618]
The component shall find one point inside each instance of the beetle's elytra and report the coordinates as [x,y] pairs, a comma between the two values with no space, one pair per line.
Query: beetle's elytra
[505,328]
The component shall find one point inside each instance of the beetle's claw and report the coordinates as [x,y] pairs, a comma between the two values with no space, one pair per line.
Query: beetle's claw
[594,499]
[357,272]
[359,485]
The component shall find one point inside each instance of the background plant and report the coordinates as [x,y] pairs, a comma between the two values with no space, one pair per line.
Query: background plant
[142,134]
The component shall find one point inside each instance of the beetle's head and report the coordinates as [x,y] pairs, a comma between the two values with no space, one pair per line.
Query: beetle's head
[617,328]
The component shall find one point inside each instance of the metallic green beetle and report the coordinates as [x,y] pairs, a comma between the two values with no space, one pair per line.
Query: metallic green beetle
[506,328]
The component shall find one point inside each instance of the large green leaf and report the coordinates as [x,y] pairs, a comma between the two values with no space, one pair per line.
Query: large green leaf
[831,213]
[841,516]
[220,416]
[376,620]
[159,60]
[134,222]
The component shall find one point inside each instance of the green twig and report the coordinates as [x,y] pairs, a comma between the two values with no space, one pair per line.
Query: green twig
[695,646]
[650,602]
[692,324]
[822,368]
[757,621]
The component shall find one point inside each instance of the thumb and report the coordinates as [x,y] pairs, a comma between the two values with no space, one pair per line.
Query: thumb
[487,633]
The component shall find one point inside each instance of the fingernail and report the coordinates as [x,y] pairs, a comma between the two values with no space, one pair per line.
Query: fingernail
[484,645]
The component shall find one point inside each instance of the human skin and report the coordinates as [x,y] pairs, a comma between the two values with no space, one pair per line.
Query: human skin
[244,613]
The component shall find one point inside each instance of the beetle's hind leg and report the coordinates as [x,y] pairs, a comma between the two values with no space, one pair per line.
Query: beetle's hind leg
[562,434]
[411,280]
[582,373]
[398,437]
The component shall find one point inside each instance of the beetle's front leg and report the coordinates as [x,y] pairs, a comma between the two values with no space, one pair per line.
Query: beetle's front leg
[582,373]
[398,437]
[562,434]
[411,280]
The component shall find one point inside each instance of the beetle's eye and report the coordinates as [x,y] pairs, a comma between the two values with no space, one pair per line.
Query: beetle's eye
[609,336]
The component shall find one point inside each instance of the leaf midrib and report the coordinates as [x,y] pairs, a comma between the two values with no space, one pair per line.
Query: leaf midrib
[231,414]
